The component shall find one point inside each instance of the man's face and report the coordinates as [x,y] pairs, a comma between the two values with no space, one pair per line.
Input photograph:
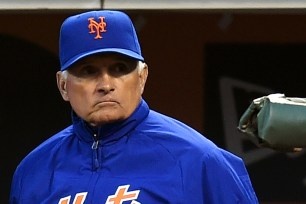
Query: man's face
[103,88]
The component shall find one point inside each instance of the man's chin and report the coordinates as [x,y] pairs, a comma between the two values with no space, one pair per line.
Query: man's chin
[103,119]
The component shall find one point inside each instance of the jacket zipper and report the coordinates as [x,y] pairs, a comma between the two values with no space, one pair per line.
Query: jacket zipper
[94,147]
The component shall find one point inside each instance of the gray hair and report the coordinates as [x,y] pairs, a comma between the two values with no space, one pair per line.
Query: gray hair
[65,74]
[140,66]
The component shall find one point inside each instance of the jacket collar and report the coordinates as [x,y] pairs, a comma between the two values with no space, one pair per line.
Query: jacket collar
[113,131]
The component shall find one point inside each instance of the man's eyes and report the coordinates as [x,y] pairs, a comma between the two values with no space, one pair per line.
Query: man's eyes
[120,68]
[87,71]
[115,70]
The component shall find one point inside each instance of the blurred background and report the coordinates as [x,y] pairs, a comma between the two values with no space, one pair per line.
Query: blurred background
[207,61]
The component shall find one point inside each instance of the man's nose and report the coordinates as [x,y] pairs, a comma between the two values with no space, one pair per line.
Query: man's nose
[105,83]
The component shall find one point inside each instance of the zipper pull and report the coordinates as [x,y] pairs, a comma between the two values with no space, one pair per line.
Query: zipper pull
[95,145]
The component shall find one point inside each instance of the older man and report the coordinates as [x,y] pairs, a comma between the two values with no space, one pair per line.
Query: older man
[118,150]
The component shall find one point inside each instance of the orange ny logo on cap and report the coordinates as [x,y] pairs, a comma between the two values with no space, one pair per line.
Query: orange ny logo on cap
[95,27]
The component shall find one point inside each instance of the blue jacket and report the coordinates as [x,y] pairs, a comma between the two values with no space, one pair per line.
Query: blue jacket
[149,158]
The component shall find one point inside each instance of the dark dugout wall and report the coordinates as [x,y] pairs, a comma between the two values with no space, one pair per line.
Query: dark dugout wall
[31,109]
[236,74]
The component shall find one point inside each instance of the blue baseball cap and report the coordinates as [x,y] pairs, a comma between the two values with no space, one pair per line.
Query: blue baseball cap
[97,32]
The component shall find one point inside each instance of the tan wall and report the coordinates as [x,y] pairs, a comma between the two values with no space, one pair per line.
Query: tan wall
[173,46]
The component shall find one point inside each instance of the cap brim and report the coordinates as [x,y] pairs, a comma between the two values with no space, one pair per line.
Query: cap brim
[115,50]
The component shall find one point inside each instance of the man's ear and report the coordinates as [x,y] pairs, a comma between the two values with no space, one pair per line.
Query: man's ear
[143,77]
[61,80]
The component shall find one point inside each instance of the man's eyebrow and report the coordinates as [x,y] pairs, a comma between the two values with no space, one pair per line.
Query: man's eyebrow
[123,59]
[80,62]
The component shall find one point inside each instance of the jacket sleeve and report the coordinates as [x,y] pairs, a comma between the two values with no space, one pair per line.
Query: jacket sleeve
[226,180]
[15,188]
